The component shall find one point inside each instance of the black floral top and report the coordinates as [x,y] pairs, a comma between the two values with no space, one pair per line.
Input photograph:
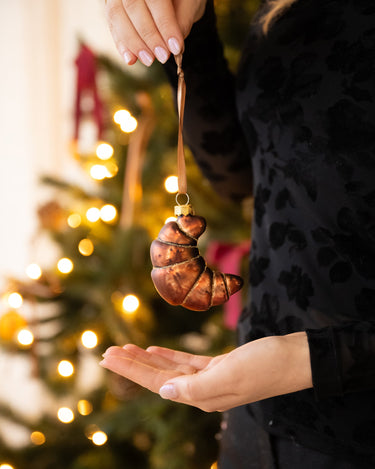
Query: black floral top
[298,131]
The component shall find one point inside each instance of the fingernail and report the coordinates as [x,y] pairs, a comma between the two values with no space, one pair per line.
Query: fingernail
[103,362]
[161,54]
[168,391]
[174,46]
[128,57]
[145,58]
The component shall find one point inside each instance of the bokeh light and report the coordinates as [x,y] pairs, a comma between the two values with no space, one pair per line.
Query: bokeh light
[130,304]
[74,220]
[89,339]
[65,265]
[6,466]
[25,337]
[65,368]
[99,438]
[121,116]
[86,247]
[15,300]
[108,213]
[171,184]
[38,438]
[84,407]
[98,172]
[33,271]
[65,415]
[93,214]
[104,151]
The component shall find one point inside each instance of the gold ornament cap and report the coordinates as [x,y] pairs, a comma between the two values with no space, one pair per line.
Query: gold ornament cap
[183,209]
[186,209]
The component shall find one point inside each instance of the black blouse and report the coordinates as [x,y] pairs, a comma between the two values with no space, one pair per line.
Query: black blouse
[297,129]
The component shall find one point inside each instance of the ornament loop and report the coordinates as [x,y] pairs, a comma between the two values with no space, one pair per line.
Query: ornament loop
[187,198]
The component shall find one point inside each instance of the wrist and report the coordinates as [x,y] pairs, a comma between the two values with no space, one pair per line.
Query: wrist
[296,367]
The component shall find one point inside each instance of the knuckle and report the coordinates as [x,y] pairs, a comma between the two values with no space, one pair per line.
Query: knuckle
[113,11]
[129,4]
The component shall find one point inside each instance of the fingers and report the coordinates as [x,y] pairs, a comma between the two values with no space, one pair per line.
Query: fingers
[144,29]
[118,361]
[158,361]
[196,361]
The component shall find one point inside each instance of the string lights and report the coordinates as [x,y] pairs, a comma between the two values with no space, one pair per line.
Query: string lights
[14,300]
[37,438]
[33,271]
[130,304]
[125,120]
[104,151]
[171,184]
[65,368]
[65,265]
[74,220]
[25,337]
[84,407]
[89,339]
[65,415]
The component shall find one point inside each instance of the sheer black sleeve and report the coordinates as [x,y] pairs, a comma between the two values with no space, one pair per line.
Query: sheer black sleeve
[211,126]
[342,358]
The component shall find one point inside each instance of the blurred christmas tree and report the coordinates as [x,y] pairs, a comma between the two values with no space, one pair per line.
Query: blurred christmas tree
[99,291]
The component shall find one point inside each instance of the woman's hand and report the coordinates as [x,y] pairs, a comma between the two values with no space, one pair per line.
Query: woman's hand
[257,370]
[146,29]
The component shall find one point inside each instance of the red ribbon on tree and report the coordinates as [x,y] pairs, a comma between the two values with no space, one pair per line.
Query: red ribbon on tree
[228,258]
[86,85]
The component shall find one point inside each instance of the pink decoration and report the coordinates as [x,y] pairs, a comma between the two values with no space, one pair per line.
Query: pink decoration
[86,85]
[228,258]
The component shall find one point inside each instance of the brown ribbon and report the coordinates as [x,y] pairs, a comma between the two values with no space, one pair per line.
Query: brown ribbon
[181,94]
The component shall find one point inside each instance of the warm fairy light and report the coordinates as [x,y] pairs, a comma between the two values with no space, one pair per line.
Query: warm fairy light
[33,271]
[98,172]
[108,213]
[86,247]
[130,304]
[170,219]
[65,265]
[99,438]
[15,300]
[6,466]
[214,465]
[89,339]
[93,214]
[121,116]
[65,415]
[129,125]
[171,184]
[65,368]
[37,438]
[84,407]
[74,220]
[112,169]
[25,337]
[104,151]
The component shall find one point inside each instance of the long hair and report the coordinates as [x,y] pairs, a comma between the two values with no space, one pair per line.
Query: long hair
[273,9]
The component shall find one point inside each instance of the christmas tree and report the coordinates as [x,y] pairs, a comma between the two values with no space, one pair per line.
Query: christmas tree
[98,292]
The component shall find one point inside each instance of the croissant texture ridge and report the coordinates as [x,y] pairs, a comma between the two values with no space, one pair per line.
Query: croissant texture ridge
[180,273]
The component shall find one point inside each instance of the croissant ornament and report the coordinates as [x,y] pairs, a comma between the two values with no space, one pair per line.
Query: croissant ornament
[180,273]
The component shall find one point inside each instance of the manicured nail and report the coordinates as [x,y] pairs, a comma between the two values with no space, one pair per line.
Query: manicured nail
[174,46]
[128,57]
[161,54]
[168,391]
[103,362]
[145,58]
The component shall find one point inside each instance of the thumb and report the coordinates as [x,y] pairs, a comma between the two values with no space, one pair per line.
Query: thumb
[189,389]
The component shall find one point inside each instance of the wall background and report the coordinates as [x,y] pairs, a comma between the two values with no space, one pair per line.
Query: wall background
[38,45]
